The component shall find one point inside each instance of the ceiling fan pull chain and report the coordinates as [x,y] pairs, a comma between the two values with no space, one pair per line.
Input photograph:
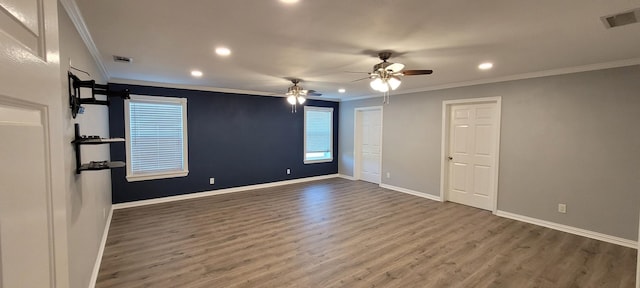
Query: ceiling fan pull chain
[385,98]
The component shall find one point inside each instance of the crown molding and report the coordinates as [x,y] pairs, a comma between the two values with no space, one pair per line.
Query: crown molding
[538,74]
[76,18]
[206,88]
[364,97]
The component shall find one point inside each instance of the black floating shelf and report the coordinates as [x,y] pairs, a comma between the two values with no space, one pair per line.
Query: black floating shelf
[93,140]
[75,100]
[101,165]
[96,141]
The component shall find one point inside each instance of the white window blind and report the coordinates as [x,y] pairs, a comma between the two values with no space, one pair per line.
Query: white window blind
[318,134]
[156,137]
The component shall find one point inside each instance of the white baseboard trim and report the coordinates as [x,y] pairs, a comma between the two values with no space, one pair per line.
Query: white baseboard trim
[218,192]
[103,243]
[347,177]
[570,229]
[412,192]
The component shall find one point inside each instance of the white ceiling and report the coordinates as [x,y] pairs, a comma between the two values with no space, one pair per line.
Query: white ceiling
[321,40]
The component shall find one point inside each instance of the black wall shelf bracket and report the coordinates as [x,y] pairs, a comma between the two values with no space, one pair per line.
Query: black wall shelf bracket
[93,140]
[75,99]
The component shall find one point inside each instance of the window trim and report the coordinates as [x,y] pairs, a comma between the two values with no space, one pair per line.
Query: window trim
[304,152]
[185,147]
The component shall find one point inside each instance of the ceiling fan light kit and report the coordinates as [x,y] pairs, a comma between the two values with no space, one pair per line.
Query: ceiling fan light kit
[296,95]
[379,85]
[386,75]
[394,82]
[291,99]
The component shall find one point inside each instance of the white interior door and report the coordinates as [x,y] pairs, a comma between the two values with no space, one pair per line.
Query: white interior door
[472,159]
[24,226]
[369,131]
[30,128]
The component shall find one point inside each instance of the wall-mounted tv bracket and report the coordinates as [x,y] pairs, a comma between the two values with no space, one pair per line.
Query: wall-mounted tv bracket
[75,101]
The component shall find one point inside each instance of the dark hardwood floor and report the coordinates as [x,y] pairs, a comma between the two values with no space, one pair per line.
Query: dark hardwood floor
[341,233]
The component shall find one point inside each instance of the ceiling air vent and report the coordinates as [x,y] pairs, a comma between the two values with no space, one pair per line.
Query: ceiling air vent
[621,19]
[122,59]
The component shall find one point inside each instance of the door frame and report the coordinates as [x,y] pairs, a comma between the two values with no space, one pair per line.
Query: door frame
[356,139]
[444,163]
[638,264]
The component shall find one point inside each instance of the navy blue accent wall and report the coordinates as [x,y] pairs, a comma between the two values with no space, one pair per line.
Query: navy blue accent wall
[238,139]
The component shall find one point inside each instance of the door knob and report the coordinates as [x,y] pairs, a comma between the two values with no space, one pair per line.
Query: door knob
[450,158]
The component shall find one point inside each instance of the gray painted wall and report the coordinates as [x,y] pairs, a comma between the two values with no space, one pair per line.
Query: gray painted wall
[570,138]
[89,194]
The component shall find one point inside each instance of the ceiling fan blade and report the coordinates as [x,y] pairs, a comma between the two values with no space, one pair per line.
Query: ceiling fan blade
[313,93]
[395,67]
[368,77]
[416,72]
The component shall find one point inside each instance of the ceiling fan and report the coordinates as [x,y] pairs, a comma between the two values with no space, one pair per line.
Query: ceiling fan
[295,94]
[386,75]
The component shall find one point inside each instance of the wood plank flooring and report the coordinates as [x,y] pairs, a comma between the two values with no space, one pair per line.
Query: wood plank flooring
[341,233]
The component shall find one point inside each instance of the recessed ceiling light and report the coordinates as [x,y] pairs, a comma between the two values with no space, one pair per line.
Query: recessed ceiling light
[223,51]
[342,90]
[289,1]
[485,66]
[196,73]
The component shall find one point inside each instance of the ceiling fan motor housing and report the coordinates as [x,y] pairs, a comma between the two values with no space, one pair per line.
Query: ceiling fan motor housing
[295,90]
[381,66]
[384,55]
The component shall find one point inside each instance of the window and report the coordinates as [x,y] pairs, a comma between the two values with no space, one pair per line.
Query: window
[318,134]
[156,134]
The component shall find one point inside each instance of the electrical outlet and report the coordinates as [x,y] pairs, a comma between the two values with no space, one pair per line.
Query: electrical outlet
[288,171]
[212,181]
[562,208]
[388,175]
